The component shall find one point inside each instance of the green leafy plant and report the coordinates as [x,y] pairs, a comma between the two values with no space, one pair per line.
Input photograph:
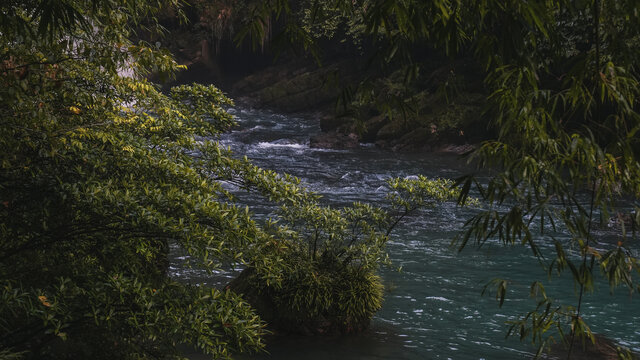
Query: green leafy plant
[101,173]
[565,155]
[329,281]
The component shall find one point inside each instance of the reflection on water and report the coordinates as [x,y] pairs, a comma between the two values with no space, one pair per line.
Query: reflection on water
[433,308]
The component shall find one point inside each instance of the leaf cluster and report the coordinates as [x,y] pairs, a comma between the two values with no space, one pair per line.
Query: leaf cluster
[326,274]
[101,175]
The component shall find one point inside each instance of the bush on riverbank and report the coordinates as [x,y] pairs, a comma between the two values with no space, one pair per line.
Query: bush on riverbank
[314,300]
[329,258]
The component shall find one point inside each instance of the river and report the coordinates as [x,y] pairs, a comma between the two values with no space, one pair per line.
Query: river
[433,306]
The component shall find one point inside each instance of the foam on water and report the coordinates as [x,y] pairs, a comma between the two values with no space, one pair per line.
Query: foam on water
[267,145]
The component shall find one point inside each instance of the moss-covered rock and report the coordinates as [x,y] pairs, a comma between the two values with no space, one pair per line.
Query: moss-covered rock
[315,300]
[417,139]
[328,122]
[371,128]
[393,129]
[296,86]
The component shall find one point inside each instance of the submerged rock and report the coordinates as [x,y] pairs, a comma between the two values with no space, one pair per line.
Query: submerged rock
[456,149]
[603,349]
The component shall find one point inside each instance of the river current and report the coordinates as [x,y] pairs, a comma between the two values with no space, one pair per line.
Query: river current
[433,307]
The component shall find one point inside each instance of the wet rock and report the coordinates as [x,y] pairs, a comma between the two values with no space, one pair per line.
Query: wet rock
[456,149]
[372,127]
[392,130]
[335,140]
[330,123]
[383,144]
[417,139]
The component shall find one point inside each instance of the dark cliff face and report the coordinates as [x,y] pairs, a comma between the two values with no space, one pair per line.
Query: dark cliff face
[208,61]
[204,41]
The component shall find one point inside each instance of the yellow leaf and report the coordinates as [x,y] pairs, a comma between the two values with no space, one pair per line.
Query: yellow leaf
[74,110]
[43,300]
[593,252]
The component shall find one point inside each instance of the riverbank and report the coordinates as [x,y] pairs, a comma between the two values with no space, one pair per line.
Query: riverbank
[428,121]
[441,110]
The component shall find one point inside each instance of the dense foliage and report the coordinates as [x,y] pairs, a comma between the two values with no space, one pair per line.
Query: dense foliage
[568,153]
[330,284]
[97,179]
[101,175]
[563,80]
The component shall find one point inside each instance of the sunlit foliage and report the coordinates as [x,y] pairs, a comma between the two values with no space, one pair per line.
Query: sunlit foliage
[101,175]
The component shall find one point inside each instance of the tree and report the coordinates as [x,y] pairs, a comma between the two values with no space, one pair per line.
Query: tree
[564,92]
[567,153]
[96,180]
[100,173]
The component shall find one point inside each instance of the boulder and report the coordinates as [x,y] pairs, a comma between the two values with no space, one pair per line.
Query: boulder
[372,127]
[330,123]
[335,140]
[393,129]
[417,139]
[456,149]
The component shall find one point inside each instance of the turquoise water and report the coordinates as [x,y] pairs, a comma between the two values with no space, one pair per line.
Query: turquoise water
[433,307]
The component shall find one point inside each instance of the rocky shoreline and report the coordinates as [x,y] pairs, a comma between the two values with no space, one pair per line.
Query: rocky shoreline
[441,113]
[433,126]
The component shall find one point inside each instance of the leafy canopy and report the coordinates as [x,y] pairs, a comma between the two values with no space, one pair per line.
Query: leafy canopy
[101,174]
